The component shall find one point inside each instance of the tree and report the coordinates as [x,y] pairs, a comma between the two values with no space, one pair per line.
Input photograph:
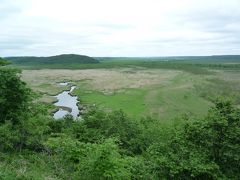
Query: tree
[97,125]
[175,159]
[218,136]
[22,123]
[207,148]
[3,62]
[91,160]
[15,97]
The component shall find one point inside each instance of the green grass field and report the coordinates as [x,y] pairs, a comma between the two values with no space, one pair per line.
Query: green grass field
[164,101]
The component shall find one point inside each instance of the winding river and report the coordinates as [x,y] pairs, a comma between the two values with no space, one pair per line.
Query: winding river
[66,103]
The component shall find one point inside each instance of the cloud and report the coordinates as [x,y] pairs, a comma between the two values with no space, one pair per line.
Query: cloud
[119,27]
[7,8]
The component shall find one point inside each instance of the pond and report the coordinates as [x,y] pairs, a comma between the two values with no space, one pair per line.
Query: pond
[66,103]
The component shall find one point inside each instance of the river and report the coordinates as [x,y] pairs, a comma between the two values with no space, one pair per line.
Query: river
[66,103]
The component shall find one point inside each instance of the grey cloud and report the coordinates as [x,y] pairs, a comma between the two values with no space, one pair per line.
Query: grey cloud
[212,20]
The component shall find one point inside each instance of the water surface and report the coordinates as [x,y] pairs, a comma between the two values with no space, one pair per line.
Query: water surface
[66,103]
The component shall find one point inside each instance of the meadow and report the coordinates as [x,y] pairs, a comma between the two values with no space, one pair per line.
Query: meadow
[159,89]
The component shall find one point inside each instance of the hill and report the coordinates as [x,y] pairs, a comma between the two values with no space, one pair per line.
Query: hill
[52,60]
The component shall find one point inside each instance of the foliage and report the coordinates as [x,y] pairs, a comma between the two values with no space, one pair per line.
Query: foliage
[3,62]
[218,136]
[21,122]
[98,125]
[91,161]
[8,137]
[204,149]
[14,97]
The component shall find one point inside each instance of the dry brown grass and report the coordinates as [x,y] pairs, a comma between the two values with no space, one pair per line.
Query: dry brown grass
[46,81]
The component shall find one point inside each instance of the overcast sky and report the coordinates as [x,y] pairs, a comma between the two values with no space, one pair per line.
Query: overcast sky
[119,27]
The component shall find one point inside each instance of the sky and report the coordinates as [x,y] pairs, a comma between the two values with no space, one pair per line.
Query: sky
[119,27]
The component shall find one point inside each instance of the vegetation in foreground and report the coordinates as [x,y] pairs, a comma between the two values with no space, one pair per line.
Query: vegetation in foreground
[112,145]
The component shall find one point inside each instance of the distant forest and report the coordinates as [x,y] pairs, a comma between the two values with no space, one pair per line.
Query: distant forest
[62,59]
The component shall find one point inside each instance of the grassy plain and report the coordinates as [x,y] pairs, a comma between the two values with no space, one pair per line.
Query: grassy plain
[162,90]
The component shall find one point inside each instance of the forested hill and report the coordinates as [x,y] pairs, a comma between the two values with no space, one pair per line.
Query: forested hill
[59,59]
